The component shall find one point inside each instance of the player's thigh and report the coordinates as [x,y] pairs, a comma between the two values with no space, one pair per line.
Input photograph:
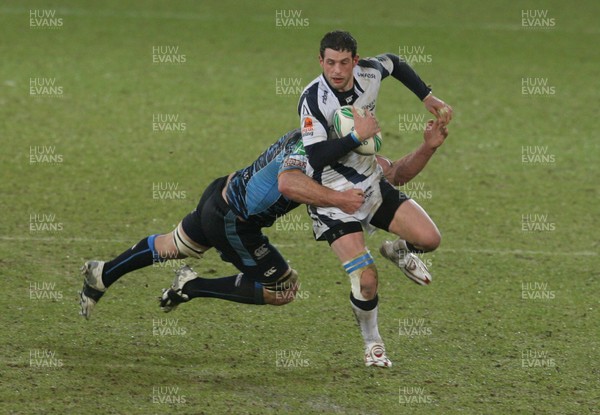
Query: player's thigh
[188,238]
[269,269]
[245,246]
[349,246]
[413,224]
[193,234]
[344,236]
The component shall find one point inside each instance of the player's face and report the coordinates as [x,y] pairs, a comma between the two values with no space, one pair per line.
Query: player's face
[337,68]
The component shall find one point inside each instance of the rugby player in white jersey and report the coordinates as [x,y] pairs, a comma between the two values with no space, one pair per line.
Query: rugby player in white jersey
[349,80]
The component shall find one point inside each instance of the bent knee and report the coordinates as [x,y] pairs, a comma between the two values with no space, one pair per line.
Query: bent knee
[166,247]
[283,290]
[368,283]
[427,241]
[432,241]
[279,297]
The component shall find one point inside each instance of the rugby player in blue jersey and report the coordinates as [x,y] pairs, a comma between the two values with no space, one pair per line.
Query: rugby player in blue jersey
[229,217]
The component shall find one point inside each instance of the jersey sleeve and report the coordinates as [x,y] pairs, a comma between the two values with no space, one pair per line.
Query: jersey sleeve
[312,121]
[296,160]
[397,67]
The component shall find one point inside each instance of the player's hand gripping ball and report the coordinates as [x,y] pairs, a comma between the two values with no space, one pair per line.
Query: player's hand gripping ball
[343,124]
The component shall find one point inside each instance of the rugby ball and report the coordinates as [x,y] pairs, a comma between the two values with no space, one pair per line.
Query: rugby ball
[343,124]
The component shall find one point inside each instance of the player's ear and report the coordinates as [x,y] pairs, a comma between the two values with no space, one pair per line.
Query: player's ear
[355,60]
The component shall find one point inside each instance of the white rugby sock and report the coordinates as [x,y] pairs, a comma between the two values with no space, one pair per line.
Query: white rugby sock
[367,320]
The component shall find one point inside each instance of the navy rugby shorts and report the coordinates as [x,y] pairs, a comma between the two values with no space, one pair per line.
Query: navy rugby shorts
[214,224]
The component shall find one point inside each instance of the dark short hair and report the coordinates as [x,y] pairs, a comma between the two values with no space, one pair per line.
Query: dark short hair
[338,40]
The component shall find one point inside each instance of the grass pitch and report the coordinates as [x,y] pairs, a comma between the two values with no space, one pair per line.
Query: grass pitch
[115,115]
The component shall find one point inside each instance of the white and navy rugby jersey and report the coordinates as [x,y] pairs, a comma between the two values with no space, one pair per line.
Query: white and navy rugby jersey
[253,192]
[330,162]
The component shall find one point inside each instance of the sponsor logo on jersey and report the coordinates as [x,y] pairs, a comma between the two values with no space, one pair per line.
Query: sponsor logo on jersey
[324,97]
[366,75]
[307,129]
[370,106]
[261,252]
[293,163]
[299,149]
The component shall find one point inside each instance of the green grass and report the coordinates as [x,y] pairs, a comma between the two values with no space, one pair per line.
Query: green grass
[222,356]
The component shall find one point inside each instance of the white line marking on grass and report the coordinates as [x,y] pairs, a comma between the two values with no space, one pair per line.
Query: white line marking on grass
[441,250]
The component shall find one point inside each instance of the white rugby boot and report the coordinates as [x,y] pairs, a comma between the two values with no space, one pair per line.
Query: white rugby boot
[93,288]
[409,263]
[174,296]
[375,356]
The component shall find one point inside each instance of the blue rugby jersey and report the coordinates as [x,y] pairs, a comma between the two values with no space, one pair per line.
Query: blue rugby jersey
[253,192]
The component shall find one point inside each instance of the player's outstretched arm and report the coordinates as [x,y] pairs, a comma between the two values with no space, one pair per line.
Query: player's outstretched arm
[402,71]
[405,169]
[297,186]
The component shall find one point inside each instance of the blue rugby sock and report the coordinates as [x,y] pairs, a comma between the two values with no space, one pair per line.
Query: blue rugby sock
[138,256]
[235,288]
